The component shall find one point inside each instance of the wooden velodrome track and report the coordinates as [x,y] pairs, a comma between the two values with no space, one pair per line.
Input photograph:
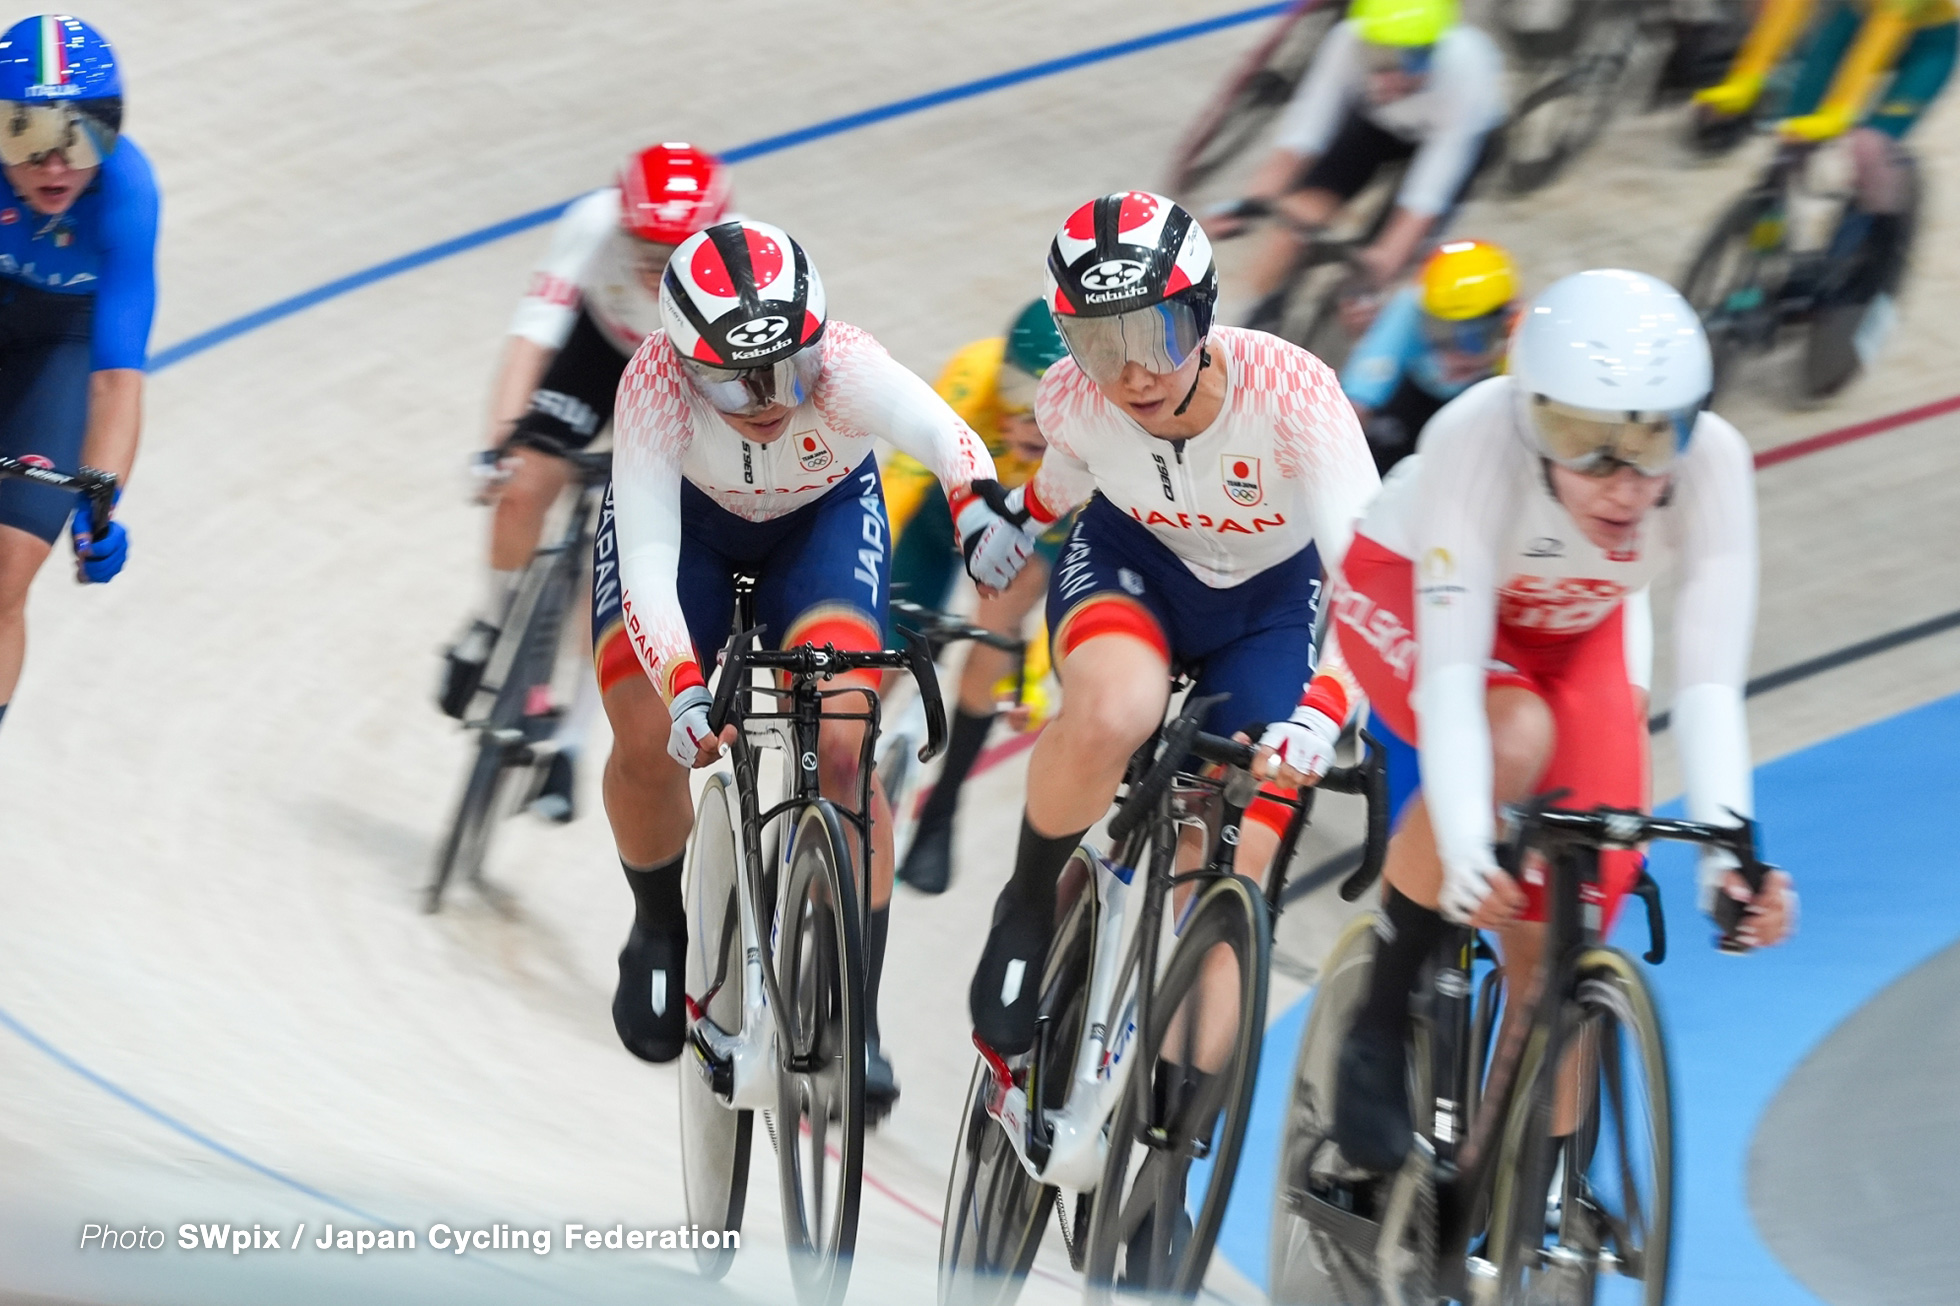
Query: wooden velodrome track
[222,778]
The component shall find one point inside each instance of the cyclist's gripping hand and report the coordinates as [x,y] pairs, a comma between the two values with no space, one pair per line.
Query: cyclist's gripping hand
[98,561]
[689,741]
[997,533]
[1770,914]
[1482,896]
[1297,751]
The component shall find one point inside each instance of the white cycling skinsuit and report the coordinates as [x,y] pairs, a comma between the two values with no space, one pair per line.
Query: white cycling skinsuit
[591,262]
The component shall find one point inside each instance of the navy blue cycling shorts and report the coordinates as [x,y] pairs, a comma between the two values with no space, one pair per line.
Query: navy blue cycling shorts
[1253,641]
[822,574]
[44,374]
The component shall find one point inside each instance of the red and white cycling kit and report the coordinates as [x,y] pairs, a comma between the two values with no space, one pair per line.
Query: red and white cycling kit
[664,432]
[591,262]
[1282,466]
[1466,572]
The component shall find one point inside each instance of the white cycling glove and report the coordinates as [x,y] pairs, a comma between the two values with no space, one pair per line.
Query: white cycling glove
[1304,741]
[1465,888]
[689,712]
[997,534]
[490,470]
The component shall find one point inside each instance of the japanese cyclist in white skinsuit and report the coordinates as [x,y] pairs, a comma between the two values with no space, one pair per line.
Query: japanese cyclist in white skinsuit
[744,443]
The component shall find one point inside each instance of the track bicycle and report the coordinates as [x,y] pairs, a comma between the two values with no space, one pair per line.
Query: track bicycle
[1576,76]
[1314,304]
[776,899]
[1258,87]
[1782,260]
[1491,1208]
[1139,1070]
[513,712]
[97,488]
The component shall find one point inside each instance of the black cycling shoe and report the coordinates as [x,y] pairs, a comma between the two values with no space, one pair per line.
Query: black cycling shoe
[929,862]
[880,1083]
[1371,1103]
[1007,982]
[555,798]
[462,665]
[650,1005]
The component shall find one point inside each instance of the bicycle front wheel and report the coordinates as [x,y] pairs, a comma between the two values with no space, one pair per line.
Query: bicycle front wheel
[819,1121]
[1600,1200]
[1187,1101]
[477,812]
[715,1138]
[1259,87]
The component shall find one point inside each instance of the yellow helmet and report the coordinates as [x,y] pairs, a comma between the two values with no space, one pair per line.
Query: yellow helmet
[1467,278]
[1403,22]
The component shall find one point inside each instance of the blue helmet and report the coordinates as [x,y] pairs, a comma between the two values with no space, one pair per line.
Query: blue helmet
[60,92]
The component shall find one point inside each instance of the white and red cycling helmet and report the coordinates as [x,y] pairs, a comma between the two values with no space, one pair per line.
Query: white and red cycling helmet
[744,308]
[670,191]
[1131,280]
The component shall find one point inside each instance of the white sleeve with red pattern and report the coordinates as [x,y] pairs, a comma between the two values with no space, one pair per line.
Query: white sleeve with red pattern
[1063,482]
[1473,463]
[652,428]
[1714,511]
[864,390]
[550,304]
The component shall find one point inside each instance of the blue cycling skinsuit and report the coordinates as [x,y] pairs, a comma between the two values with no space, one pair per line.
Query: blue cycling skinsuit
[77,294]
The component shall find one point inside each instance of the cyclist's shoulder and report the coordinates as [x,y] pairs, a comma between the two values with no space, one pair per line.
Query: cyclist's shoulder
[1481,423]
[1717,447]
[652,390]
[127,177]
[1271,373]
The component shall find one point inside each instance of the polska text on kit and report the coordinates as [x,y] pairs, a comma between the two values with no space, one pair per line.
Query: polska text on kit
[237,1239]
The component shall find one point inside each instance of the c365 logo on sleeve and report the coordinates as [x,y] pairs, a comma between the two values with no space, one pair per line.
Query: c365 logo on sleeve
[1241,476]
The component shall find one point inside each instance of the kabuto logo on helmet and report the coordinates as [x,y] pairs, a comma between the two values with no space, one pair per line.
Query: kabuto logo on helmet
[1113,274]
[757,333]
[741,294]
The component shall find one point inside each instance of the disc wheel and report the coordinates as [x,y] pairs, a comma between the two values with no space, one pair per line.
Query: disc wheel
[1259,87]
[996,1213]
[1307,1266]
[1186,1102]
[1604,1198]
[820,1048]
[715,1137]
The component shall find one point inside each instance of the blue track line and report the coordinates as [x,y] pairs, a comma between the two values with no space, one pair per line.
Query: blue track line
[285,308]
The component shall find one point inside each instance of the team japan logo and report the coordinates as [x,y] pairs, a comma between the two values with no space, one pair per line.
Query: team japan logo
[1241,476]
[758,331]
[812,452]
[1113,274]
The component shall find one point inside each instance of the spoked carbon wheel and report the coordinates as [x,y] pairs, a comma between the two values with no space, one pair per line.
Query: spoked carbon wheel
[820,1048]
[1589,1219]
[1175,1139]
[715,1138]
[1259,87]
[1308,1266]
[492,777]
[1561,117]
[996,1213]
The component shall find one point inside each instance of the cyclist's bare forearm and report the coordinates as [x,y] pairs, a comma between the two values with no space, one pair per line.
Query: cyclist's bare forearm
[518,374]
[115,420]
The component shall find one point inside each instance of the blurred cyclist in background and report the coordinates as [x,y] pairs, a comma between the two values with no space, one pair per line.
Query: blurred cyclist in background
[591,302]
[990,384]
[1396,80]
[78,229]
[1435,339]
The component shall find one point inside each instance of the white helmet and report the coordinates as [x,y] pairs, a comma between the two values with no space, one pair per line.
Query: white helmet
[1612,368]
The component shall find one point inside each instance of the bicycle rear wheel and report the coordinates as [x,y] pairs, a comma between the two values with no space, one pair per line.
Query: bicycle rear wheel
[1253,95]
[996,1212]
[1735,282]
[715,1138]
[1207,1016]
[820,1047]
[1307,1266]
[1602,1200]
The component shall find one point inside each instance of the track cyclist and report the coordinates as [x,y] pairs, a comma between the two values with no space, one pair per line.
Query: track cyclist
[1395,80]
[78,229]
[591,301]
[1221,467]
[744,442]
[1869,73]
[1432,341]
[991,385]
[1494,604]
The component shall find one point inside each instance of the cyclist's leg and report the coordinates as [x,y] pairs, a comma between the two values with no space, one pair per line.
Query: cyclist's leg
[1342,171]
[1110,617]
[1821,56]
[924,559]
[43,417]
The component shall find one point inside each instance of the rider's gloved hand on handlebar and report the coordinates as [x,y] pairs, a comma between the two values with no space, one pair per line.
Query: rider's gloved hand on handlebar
[1299,750]
[1768,915]
[997,533]
[98,561]
[1480,894]
[690,742]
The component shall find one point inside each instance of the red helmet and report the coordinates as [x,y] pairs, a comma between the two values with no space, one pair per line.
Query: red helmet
[671,191]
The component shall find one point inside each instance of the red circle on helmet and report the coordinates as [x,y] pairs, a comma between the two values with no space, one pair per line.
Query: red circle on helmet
[765,257]
[710,273]
[1139,207]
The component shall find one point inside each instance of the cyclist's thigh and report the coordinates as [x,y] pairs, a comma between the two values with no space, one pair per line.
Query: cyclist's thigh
[1109,584]
[1358,151]
[43,416]
[825,583]
[924,558]
[1053,540]
[1832,37]
[613,659]
[574,400]
[1917,80]
[1267,663]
